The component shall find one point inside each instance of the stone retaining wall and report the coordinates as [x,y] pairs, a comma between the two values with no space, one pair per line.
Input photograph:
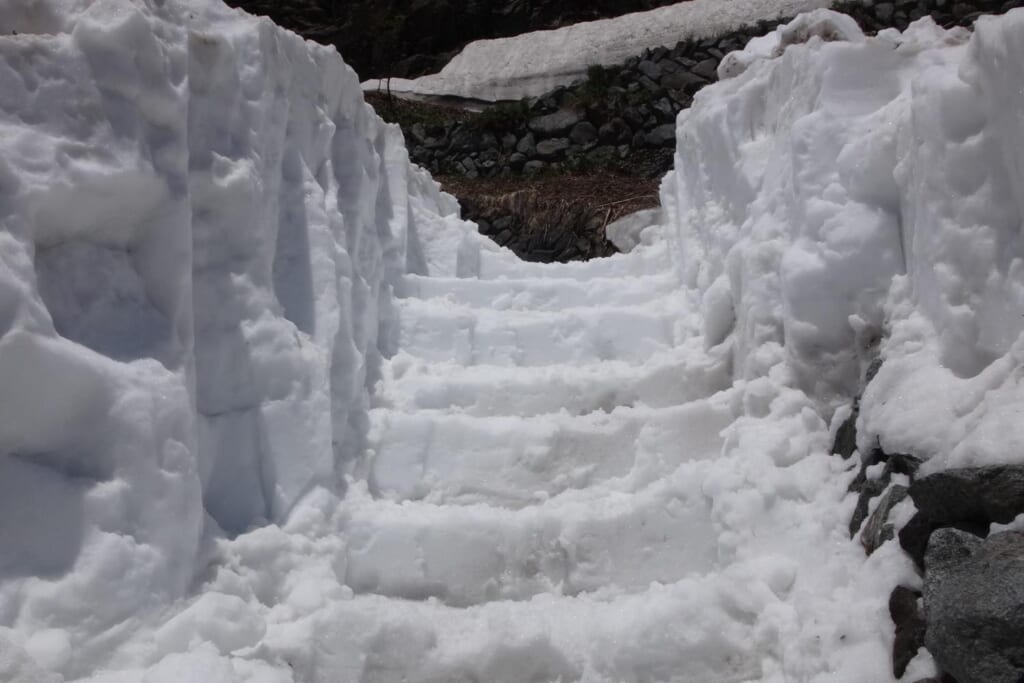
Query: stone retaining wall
[622,118]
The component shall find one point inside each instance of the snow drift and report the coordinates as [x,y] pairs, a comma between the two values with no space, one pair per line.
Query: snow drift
[862,198]
[270,411]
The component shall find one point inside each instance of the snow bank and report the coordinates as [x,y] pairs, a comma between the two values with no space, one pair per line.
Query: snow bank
[532,64]
[867,189]
[201,223]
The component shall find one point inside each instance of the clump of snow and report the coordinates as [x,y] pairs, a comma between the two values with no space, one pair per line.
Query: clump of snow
[271,412]
[626,233]
[532,64]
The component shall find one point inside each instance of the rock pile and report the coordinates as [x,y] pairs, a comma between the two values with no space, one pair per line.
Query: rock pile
[605,122]
[623,118]
[970,615]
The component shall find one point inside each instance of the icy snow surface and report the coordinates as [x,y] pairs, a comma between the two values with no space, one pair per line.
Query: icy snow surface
[270,411]
[532,64]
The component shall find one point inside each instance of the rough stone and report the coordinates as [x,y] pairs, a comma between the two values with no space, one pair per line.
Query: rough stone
[633,118]
[681,79]
[707,68]
[662,136]
[534,167]
[910,628]
[974,603]
[650,85]
[846,437]
[550,149]
[884,11]
[650,69]
[976,494]
[878,529]
[583,133]
[555,124]
[615,131]
[528,145]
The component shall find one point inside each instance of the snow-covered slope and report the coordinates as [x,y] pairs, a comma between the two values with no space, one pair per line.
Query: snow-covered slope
[271,412]
[531,64]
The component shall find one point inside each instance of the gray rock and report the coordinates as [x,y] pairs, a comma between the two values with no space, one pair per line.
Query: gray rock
[707,68]
[517,160]
[633,118]
[669,67]
[649,85]
[846,437]
[639,140]
[884,11]
[508,142]
[681,98]
[528,145]
[554,124]
[418,132]
[650,69]
[662,136]
[878,530]
[465,139]
[910,628]
[534,167]
[975,494]
[583,133]
[615,131]
[550,149]
[974,605]
[681,79]
[665,110]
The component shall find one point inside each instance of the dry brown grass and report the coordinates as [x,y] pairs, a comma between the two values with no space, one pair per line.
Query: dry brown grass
[610,196]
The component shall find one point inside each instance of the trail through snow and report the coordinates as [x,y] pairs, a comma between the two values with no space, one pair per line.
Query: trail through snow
[271,412]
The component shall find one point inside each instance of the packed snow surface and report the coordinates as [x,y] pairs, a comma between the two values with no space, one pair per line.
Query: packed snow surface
[271,412]
[532,64]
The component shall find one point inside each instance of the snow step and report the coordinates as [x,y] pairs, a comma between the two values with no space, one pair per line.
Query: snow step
[540,293]
[672,377]
[439,331]
[582,542]
[515,462]
[642,261]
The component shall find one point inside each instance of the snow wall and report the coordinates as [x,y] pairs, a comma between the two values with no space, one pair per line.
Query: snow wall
[857,199]
[200,225]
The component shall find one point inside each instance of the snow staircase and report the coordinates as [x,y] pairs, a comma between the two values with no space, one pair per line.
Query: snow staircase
[541,435]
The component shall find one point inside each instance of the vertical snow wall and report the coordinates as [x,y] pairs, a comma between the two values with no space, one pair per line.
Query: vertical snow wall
[839,198]
[201,223]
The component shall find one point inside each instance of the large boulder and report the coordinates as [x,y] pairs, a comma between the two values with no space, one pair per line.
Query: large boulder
[976,494]
[974,605]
